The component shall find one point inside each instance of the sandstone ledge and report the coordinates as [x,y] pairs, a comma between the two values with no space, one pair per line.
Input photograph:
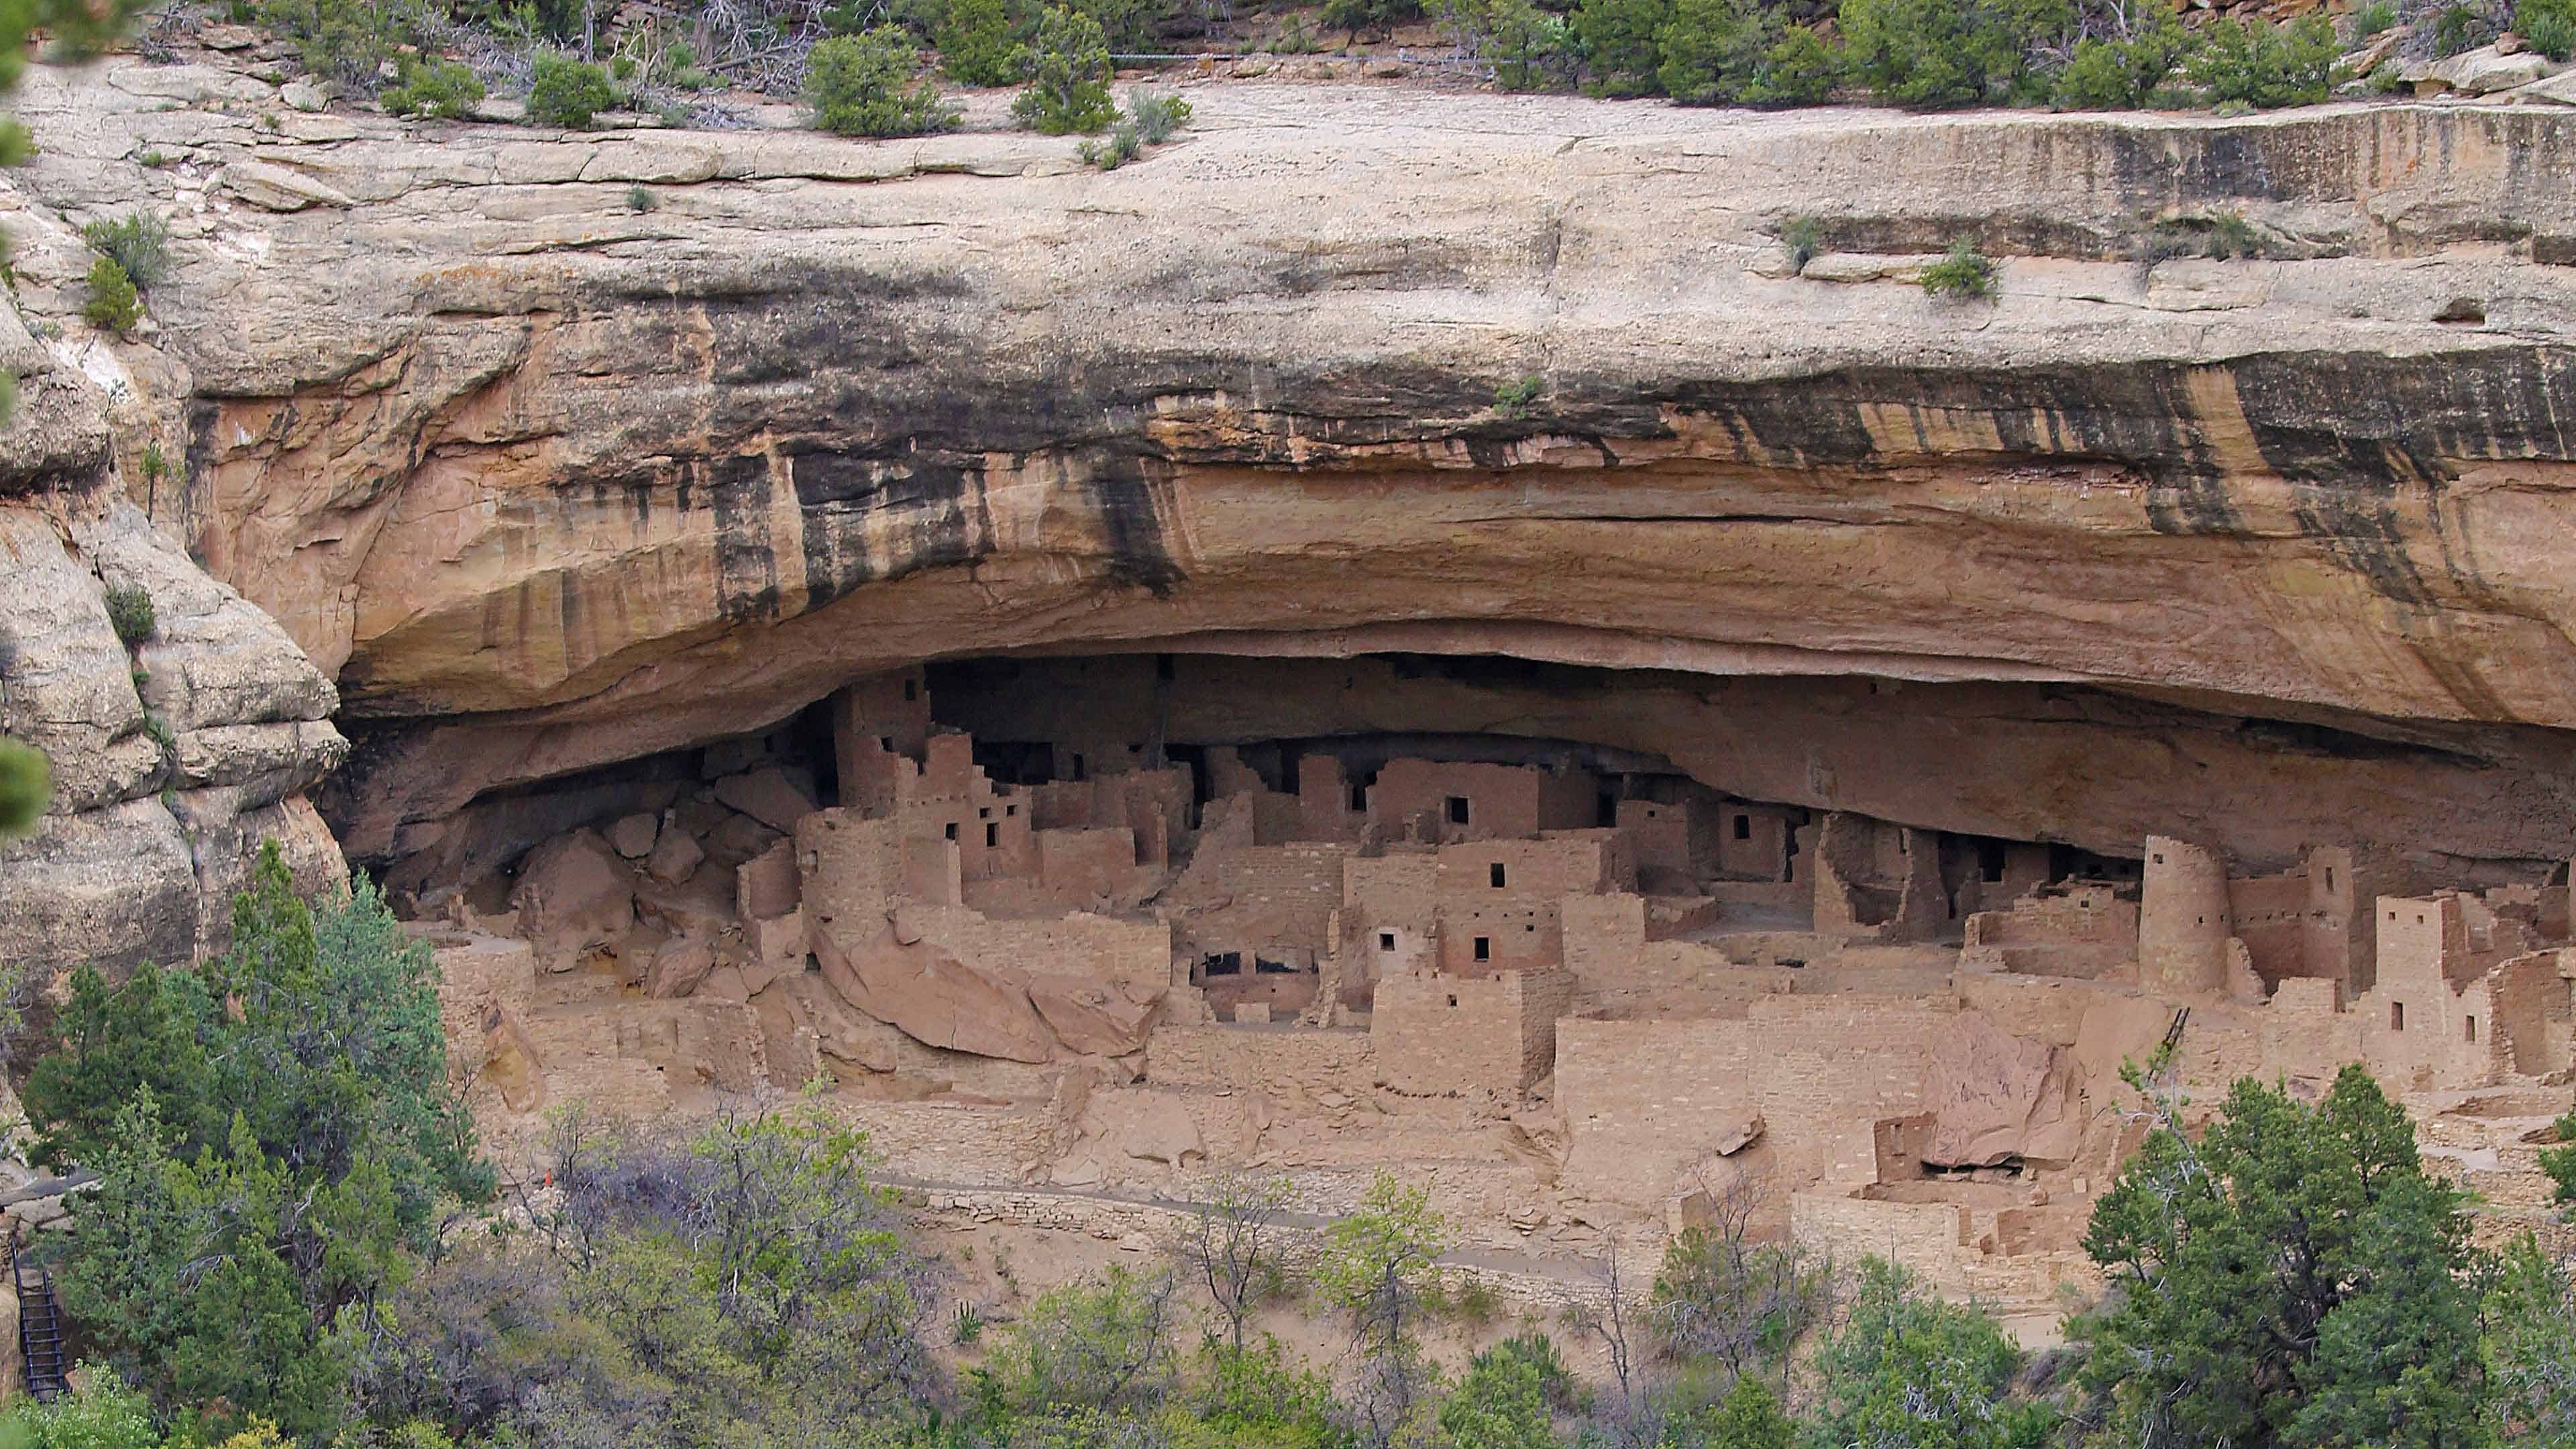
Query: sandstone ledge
[549,483]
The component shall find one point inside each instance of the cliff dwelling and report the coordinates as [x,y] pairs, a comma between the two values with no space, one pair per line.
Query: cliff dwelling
[1510,644]
[1646,949]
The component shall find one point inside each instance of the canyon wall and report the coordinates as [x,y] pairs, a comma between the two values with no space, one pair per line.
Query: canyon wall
[550,481]
[174,755]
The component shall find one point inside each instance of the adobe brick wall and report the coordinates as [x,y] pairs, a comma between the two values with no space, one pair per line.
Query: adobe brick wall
[1640,1098]
[1098,948]
[1286,1062]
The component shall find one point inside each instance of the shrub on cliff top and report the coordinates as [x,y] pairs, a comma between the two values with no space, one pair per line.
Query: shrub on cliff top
[129,612]
[977,42]
[1935,53]
[2266,66]
[140,244]
[2120,74]
[866,85]
[1963,273]
[566,92]
[440,88]
[113,305]
[1068,70]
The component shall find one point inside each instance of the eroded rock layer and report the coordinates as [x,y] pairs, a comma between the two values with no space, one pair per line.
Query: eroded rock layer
[550,482]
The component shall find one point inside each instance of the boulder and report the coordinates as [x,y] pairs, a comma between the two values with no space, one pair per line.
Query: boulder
[1737,1133]
[1093,1016]
[675,857]
[633,835]
[678,967]
[2478,72]
[768,796]
[842,1036]
[574,894]
[1994,1097]
[740,837]
[933,997]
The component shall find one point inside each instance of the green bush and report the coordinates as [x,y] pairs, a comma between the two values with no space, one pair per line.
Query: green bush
[102,1413]
[1963,273]
[1749,1417]
[442,88]
[1907,1368]
[1620,43]
[113,305]
[867,85]
[273,1136]
[1803,237]
[140,244]
[2560,1162]
[26,787]
[1712,50]
[2266,66]
[348,41]
[2548,25]
[1121,146]
[640,199]
[566,92]
[2385,1292]
[1934,53]
[129,612]
[2120,75]
[1736,52]
[2373,19]
[1529,48]
[2456,29]
[979,43]
[1068,70]
[1157,114]
[1798,70]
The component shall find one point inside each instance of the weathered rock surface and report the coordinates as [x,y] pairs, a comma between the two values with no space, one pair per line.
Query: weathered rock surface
[574,895]
[678,967]
[932,996]
[633,835]
[550,483]
[675,858]
[1995,1097]
[1092,1016]
[174,760]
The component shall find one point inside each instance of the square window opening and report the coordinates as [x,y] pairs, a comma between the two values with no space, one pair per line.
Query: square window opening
[1386,940]
[952,830]
[1457,809]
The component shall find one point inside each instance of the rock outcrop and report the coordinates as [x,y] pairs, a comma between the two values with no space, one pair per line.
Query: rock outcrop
[174,756]
[552,483]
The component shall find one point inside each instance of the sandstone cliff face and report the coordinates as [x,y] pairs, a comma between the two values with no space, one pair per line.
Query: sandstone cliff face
[550,483]
[173,760]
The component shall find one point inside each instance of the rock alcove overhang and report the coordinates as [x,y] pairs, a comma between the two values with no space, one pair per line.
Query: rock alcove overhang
[2017,760]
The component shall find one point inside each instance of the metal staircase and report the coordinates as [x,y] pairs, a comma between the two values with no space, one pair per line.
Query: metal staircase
[40,1326]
